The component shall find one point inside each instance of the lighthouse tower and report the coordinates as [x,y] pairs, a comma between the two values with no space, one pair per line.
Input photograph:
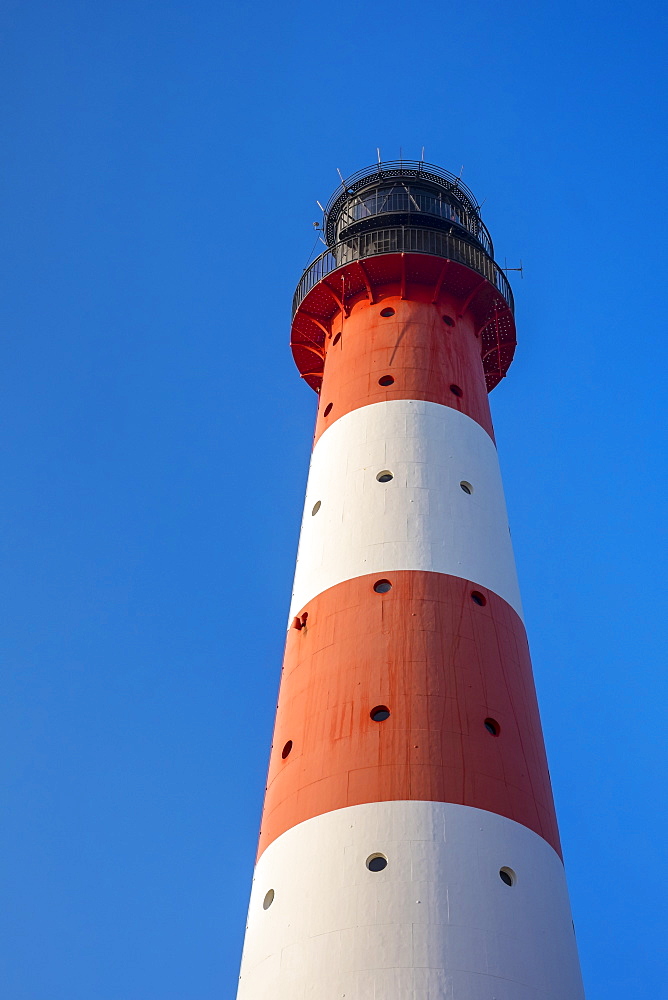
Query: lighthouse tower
[409,846]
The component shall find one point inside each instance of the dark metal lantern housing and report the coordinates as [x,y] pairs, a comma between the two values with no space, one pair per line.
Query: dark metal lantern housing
[404,194]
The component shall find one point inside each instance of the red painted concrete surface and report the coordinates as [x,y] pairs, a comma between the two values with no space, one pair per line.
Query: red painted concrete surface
[424,353]
[442,665]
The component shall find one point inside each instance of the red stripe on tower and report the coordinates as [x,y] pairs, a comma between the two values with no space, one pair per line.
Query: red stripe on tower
[409,843]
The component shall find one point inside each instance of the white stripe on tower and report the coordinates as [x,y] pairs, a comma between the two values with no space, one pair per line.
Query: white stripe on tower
[421,519]
[437,922]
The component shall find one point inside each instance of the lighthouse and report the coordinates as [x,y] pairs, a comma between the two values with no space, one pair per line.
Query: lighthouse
[409,847]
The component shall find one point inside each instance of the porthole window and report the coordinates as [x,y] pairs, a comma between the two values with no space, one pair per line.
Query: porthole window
[387,312]
[455,390]
[385,476]
[337,338]
[466,487]
[382,586]
[268,900]
[285,752]
[316,507]
[492,727]
[376,862]
[508,876]
[380,713]
[328,409]
[478,598]
[386,380]
[448,320]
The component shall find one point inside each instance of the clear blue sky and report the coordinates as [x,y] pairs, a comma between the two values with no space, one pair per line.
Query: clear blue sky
[161,166]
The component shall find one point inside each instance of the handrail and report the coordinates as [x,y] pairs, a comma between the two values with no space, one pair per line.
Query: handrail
[403,239]
[451,213]
[391,168]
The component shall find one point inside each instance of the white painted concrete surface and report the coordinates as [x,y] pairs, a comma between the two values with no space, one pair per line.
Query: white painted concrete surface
[422,519]
[437,924]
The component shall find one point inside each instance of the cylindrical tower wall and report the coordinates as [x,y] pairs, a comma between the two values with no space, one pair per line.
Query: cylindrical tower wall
[403,349]
[409,844]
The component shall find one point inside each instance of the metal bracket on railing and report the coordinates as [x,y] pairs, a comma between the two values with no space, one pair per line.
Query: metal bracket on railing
[506,268]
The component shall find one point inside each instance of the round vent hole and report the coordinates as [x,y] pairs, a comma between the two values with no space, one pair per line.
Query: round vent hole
[380,713]
[285,752]
[456,390]
[316,507]
[466,487]
[337,338]
[385,476]
[376,862]
[328,409]
[508,876]
[478,598]
[387,312]
[448,320]
[386,380]
[268,900]
[382,586]
[492,727]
